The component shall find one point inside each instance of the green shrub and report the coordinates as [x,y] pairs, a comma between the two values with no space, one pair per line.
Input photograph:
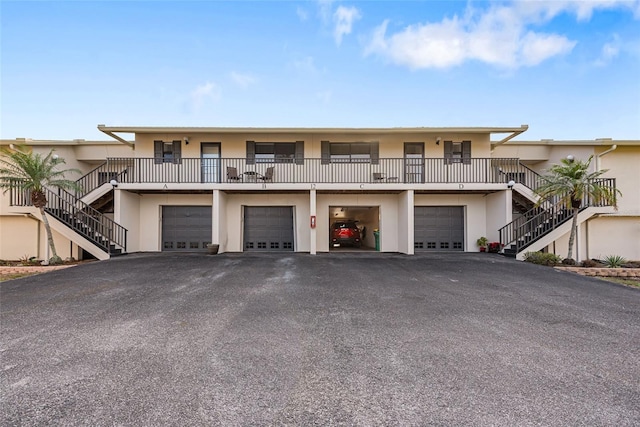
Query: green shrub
[614,261]
[542,258]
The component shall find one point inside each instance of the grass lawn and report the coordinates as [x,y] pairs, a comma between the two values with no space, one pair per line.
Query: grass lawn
[5,277]
[635,283]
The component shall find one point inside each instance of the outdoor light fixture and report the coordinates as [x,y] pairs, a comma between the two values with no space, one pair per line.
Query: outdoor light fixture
[570,157]
[438,141]
[113,183]
[510,184]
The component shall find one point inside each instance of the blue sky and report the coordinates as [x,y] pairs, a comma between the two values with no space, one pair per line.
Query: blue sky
[571,70]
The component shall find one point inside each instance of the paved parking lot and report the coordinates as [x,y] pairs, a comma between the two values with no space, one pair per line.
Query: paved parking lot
[333,339]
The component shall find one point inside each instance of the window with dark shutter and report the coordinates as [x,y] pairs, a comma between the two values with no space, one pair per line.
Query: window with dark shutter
[299,152]
[457,152]
[167,152]
[251,152]
[275,152]
[350,152]
[466,152]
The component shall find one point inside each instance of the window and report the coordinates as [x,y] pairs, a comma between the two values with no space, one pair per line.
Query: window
[350,152]
[457,152]
[167,152]
[275,152]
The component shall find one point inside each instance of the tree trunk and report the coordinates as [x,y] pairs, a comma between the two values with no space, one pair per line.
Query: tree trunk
[572,235]
[47,228]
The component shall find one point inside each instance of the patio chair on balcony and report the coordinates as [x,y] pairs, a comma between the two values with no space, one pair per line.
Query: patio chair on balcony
[232,174]
[268,175]
[382,177]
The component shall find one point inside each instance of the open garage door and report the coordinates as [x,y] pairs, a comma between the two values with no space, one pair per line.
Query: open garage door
[438,228]
[186,228]
[268,228]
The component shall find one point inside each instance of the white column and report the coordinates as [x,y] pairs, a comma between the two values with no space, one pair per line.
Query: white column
[313,213]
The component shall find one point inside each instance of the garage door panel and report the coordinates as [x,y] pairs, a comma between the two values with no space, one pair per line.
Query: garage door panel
[186,228]
[438,228]
[268,228]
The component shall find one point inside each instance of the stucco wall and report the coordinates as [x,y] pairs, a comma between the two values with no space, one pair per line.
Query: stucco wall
[234,145]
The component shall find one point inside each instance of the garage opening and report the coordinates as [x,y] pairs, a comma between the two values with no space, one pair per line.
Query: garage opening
[438,228]
[268,228]
[186,228]
[351,228]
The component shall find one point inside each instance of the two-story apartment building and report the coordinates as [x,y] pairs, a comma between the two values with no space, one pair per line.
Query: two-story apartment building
[281,189]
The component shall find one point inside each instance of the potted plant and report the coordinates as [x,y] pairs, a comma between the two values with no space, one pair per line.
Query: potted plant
[482,243]
[212,248]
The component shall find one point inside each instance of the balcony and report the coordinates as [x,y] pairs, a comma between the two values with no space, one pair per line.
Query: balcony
[239,171]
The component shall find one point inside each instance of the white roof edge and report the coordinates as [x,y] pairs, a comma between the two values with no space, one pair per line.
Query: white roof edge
[598,141]
[29,141]
[165,129]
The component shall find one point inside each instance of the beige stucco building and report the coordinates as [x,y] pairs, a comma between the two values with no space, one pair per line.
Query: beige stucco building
[266,189]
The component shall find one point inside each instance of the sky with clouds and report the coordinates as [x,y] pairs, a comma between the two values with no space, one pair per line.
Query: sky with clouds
[568,69]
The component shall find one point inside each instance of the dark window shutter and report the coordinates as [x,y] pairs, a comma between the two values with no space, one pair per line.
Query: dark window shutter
[299,152]
[251,152]
[157,151]
[466,152]
[375,153]
[448,152]
[177,152]
[325,153]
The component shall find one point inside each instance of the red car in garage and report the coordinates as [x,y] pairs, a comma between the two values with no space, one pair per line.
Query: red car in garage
[345,233]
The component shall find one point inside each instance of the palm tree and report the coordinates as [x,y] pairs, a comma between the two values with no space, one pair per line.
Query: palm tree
[570,182]
[31,172]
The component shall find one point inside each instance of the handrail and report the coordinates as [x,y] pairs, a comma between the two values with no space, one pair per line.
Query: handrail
[314,170]
[91,180]
[79,216]
[542,219]
[85,220]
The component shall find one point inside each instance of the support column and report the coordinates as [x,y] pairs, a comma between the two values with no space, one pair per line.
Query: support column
[219,234]
[405,222]
[313,213]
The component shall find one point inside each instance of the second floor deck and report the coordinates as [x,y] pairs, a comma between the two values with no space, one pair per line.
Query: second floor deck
[239,171]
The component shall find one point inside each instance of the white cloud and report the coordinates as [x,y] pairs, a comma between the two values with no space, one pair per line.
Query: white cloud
[242,80]
[203,93]
[302,13]
[498,36]
[608,52]
[306,65]
[324,10]
[343,18]
[582,9]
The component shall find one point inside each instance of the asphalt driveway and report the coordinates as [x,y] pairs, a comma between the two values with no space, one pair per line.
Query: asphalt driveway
[332,339]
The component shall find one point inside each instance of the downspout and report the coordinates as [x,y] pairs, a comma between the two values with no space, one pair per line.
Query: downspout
[613,147]
[598,167]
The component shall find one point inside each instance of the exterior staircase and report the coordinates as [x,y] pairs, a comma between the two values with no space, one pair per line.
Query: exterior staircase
[84,225]
[539,226]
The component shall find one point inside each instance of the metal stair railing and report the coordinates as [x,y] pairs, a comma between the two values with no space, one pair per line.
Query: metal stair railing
[100,175]
[541,220]
[86,221]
